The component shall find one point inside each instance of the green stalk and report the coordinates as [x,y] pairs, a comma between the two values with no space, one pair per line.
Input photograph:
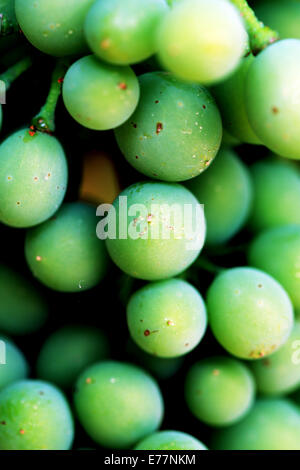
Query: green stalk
[11,74]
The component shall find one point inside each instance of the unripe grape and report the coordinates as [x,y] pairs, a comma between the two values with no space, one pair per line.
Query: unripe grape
[170,440]
[13,365]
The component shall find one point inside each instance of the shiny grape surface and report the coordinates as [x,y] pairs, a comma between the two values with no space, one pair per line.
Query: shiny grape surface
[170,440]
[249,312]
[215,29]
[167,318]
[15,366]
[175,132]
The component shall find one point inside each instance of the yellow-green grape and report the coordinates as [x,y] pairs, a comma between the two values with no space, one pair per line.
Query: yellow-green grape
[167,318]
[33,178]
[276,190]
[54,27]
[34,415]
[64,253]
[202,41]
[279,374]
[13,365]
[219,390]
[272,424]
[161,235]
[249,312]
[68,351]
[281,15]
[118,404]
[277,251]
[124,31]
[226,192]
[175,132]
[100,96]
[170,440]
[229,95]
[22,308]
[272,97]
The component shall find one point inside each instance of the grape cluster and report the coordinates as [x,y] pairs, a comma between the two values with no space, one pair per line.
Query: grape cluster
[149,224]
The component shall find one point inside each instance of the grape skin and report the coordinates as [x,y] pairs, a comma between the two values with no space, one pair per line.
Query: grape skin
[34,415]
[175,132]
[16,366]
[249,312]
[100,96]
[122,32]
[219,390]
[167,318]
[118,404]
[170,440]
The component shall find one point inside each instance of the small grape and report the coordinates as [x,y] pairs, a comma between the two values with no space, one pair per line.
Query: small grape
[219,391]
[226,192]
[202,41]
[170,440]
[157,246]
[175,132]
[55,27]
[276,185]
[34,415]
[118,404]
[249,312]
[230,98]
[22,308]
[277,252]
[272,424]
[272,97]
[100,96]
[280,373]
[123,32]
[167,318]
[68,351]
[13,365]
[33,178]
[64,253]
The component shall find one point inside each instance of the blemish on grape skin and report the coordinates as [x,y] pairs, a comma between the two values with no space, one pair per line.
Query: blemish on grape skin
[35,178]
[266,362]
[18,203]
[38,258]
[122,86]
[22,431]
[275,110]
[156,101]
[9,178]
[146,332]
[134,125]
[216,372]
[137,157]
[159,128]
[187,344]
[204,107]
[105,43]
[259,286]
[170,323]
[88,380]
[41,392]
[3,423]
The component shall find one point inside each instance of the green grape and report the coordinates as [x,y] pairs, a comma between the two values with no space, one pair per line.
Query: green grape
[277,251]
[54,27]
[167,318]
[276,194]
[118,404]
[280,373]
[170,440]
[219,390]
[34,415]
[226,192]
[68,351]
[151,242]
[100,96]
[1,116]
[202,41]
[283,16]
[64,253]
[162,368]
[175,132]
[13,365]
[229,95]
[272,97]
[249,312]
[123,32]
[33,178]
[272,424]
[22,308]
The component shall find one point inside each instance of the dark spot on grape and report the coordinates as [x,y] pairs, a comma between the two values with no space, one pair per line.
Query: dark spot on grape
[259,286]
[266,362]
[141,321]
[41,392]
[134,125]
[159,128]
[146,333]
[136,157]
[156,101]
[123,86]
[22,431]
[204,107]
[275,110]
[155,174]
[3,423]
[18,203]
[187,344]
[88,380]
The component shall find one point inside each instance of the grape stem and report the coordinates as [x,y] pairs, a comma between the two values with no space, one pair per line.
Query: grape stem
[7,25]
[207,265]
[44,121]
[11,74]
[260,35]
